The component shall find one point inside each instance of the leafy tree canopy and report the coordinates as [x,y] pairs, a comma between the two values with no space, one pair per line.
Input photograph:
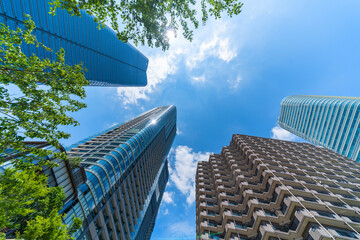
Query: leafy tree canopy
[47,90]
[147,21]
[30,208]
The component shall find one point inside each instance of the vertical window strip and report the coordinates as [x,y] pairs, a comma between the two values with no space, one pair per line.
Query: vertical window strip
[322,119]
[327,120]
[334,117]
[337,129]
[346,127]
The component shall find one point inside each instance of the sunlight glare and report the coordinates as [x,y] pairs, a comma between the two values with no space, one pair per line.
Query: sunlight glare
[170,34]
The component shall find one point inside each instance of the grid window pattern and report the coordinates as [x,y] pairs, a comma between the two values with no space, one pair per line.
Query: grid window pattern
[126,170]
[331,122]
[109,62]
[260,188]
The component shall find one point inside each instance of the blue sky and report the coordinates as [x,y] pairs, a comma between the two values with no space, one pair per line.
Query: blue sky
[231,79]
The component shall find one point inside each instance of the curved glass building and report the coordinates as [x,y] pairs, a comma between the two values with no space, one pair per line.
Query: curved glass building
[109,61]
[331,122]
[118,186]
[126,174]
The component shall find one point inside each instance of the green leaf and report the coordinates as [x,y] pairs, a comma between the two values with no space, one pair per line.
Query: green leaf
[27,204]
[147,21]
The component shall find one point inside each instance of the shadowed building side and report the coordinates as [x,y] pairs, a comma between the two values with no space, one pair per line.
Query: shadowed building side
[331,122]
[148,222]
[109,62]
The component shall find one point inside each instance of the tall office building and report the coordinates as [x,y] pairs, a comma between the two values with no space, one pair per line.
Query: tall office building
[260,188]
[109,61]
[126,171]
[118,187]
[331,122]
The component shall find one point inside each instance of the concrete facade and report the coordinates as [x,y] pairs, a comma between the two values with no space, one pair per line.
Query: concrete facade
[260,188]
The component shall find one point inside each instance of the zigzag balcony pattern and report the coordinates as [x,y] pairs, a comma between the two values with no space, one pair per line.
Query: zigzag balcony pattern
[260,188]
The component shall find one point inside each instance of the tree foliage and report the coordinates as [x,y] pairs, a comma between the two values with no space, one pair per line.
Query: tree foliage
[30,208]
[47,89]
[147,21]
[75,162]
[46,93]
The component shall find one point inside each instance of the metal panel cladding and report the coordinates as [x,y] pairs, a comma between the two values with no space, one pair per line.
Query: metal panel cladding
[126,170]
[109,62]
[330,122]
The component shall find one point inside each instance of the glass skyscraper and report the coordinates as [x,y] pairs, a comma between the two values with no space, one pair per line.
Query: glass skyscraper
[109,61]
[125,176]
[118,186]
[331,122]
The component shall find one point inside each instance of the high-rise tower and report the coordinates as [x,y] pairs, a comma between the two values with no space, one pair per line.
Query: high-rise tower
[109,61]
[126,174]
[331,122]
[260,188]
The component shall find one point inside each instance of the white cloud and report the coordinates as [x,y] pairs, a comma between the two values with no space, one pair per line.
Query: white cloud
[235,82]
[217,47]
[200,79]
[178,131]
[166,212]
[221,38]
[164,64]
[282,134]
[168,197]
[160,67]
[183,175]
[181,229]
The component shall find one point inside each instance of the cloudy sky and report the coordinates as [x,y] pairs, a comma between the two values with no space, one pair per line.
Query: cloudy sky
[231,79]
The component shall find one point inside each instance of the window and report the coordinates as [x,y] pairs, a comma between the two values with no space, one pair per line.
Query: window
[345,233]
[283,208]
[211,213]
[294,224]
[212,223]
[263,201]
[232,203]
[348,196]
[236,213]
[322,191]
[297,187]
[214,236]
[269,213]
[338,204]
[325,214]
[309,199]
[274,197]
[245,211]
[240,225]
[267,187]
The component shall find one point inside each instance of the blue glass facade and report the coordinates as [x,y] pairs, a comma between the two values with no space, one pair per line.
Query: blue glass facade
[331,122]
[109,61]
[126,171]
